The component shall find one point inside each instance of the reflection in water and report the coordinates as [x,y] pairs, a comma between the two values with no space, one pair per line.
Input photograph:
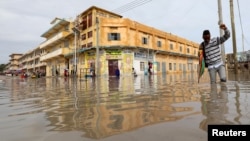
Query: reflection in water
[105,106]
[120,109]
[215,108]
[242,76]
[229,105]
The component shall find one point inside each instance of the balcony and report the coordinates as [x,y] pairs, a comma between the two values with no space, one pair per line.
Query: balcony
[56,53]
[30,66]
[55,39]
[40,64]
[24,66]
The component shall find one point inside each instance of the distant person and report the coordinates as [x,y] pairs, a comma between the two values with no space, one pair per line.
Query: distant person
[212,54]
[57,73]
[38,74]
[134,72]
[92,72]
[117,72]
[150,68]
[22,75]
[66,72]
[25,75]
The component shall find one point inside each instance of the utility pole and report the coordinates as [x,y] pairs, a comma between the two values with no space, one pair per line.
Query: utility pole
[233,37]
[76,33]
[148,71]
[97,48]
[148,48]
[75,54]
[221,31]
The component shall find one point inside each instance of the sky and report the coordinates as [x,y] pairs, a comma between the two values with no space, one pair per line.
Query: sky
[22,22]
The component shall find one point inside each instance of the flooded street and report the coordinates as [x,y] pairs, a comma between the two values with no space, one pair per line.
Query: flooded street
[170,107]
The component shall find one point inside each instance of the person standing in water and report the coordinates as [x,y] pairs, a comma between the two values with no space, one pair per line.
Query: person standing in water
[212,54]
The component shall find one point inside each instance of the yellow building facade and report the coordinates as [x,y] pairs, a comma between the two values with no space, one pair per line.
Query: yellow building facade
[104,41]
[114,42]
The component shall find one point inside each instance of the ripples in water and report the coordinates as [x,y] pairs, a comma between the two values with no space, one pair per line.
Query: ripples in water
[107,106]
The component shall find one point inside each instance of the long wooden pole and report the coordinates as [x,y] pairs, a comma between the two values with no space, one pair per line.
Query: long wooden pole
[233,37]
[97,67]
[221,31]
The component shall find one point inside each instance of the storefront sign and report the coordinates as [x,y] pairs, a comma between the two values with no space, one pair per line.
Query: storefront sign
[109,56]
[144,55]
[113,52]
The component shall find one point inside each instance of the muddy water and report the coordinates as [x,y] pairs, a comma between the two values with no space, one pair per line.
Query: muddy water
[143,108]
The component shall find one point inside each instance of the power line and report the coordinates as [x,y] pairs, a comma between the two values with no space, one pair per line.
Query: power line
[131,5]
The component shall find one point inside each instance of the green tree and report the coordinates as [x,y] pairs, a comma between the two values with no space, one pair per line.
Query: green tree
[2,67]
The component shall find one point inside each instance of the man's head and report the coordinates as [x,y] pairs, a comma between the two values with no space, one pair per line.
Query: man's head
[206,36]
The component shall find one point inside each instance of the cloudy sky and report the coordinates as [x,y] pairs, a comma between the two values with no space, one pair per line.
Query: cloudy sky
[22,22]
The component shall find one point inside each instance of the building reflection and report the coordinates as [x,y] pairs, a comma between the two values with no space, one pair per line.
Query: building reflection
[242,76]
[105,106]
[121,106]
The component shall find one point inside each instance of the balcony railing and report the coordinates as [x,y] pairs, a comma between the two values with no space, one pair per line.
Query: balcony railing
[55,53]
[41,64]
[55,38]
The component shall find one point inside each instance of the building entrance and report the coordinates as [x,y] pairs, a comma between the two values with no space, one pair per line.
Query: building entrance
[113,65]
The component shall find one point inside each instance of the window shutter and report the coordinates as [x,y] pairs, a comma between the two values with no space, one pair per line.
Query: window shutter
[109,36]
[118,36]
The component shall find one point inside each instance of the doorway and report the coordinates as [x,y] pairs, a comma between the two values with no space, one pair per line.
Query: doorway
[113,65]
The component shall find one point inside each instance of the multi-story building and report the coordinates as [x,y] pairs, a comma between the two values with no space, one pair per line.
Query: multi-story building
[59,42]
[30,62]
[243,60]
[120,43]
[104,41]
[14,64]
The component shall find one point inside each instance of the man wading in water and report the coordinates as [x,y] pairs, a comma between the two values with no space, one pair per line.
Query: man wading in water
[212,54]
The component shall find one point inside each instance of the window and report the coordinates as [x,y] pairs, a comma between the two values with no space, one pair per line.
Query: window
[89,34]
[175,66]
[180,67]
[180,48]
[89,19]
[82,60]
[158,43]
[84,23]
[83,46]
[144,40]
[188,50]
[67,27]
[170,66]
[114,36]
[90,44]
[142,66]
[83,36]
[66,43]
[184,67]
[158,66]
[171,46]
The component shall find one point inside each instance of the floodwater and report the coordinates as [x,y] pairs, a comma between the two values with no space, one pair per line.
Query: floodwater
[172,107]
